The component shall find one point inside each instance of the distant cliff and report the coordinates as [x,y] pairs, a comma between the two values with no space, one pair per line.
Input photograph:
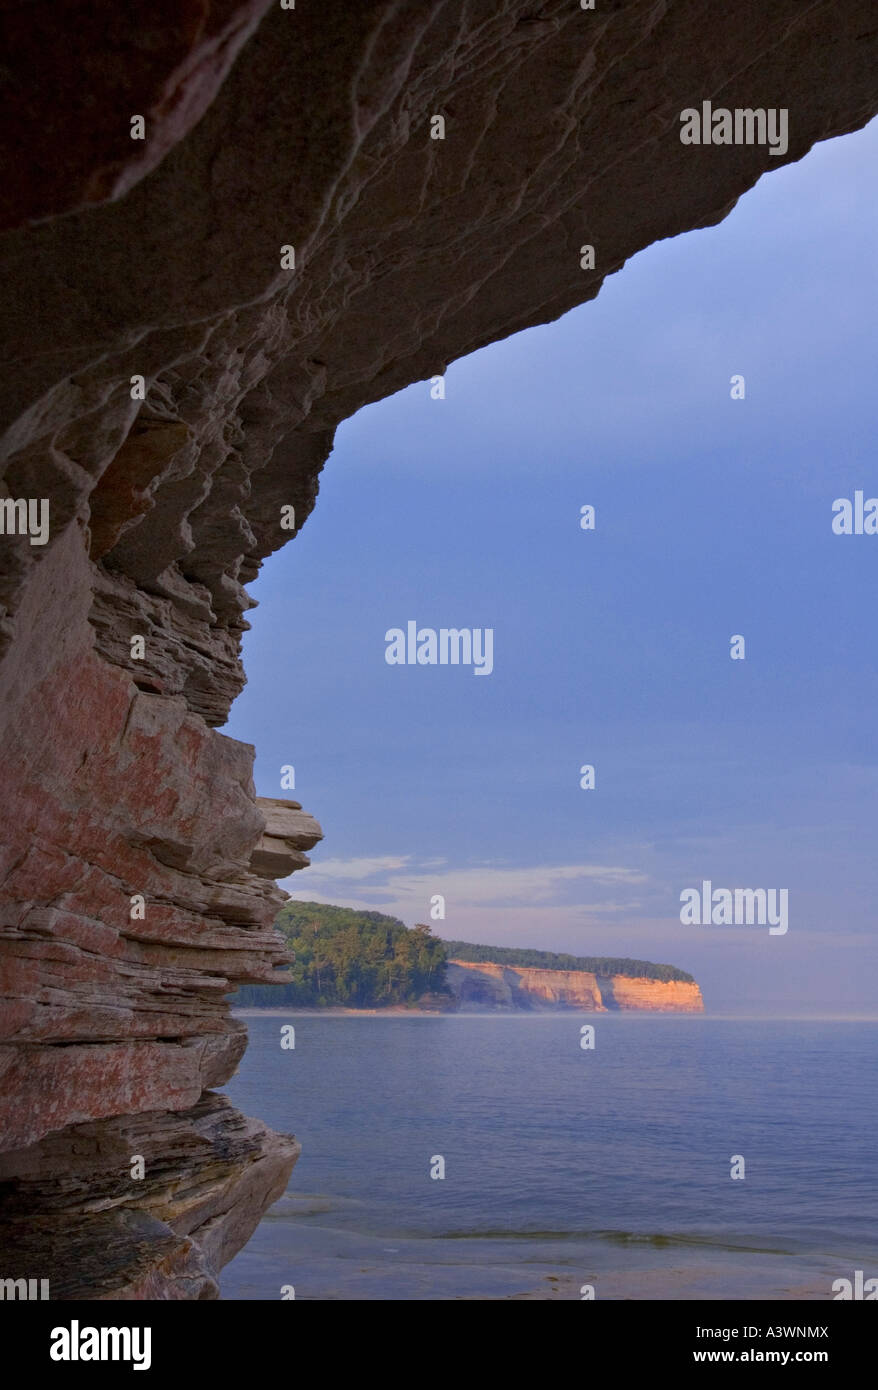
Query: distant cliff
[655,996]
[487,985]
[354,959]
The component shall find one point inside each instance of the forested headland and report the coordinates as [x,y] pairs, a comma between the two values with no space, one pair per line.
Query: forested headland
[356,959]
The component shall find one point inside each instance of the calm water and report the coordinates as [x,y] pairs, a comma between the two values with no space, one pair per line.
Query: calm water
[563,1166]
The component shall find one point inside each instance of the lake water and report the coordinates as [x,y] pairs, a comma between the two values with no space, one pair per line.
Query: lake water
[564,1167]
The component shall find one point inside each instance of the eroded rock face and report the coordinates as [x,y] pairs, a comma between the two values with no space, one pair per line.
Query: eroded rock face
[651,996]
[170,388]
[486,985]
[137,867]
[209,1175]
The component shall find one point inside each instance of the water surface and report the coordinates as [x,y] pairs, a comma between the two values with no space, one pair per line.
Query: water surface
[564,1167]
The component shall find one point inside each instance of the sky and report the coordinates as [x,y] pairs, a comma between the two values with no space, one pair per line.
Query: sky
[713,519]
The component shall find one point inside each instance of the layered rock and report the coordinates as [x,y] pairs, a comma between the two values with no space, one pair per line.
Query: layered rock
[137,867]
[172,387]
[651,996]
[208,1175]
[487,985]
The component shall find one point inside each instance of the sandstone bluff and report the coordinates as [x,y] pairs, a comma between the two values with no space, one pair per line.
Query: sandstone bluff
[162,259]
[486,985]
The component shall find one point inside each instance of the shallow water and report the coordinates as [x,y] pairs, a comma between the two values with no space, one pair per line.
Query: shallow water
[564,1167]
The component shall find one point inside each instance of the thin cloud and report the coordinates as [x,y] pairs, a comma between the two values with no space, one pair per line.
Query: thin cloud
[380,879]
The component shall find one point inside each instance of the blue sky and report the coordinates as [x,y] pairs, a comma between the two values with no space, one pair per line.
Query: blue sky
[611,647]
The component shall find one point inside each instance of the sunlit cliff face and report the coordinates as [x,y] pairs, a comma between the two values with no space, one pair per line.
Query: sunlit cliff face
[487,985]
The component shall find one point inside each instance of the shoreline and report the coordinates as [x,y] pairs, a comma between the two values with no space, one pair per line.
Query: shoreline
[400,1011]
[339,1011]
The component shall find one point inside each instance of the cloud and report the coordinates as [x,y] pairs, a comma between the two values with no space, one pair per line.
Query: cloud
[410,886]
[510,887]
[333,870]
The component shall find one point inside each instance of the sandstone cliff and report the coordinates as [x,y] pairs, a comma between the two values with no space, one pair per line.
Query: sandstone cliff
[654,996]
[170,387]
[485,985]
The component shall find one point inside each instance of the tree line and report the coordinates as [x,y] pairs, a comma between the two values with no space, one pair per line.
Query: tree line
[356,959]
[549,960]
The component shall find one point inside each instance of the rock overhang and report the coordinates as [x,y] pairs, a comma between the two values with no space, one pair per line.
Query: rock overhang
[172,388]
